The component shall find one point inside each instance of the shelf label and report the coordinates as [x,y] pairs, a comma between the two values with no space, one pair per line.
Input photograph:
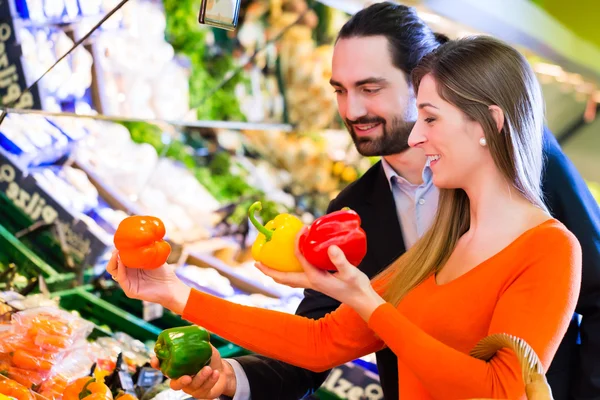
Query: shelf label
[12,75]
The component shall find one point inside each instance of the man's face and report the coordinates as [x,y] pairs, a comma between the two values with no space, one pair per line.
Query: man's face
[374,97]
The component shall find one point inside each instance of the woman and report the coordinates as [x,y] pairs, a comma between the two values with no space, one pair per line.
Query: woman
[494,260]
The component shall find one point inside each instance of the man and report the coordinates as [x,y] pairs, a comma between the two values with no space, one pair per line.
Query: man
[373,58]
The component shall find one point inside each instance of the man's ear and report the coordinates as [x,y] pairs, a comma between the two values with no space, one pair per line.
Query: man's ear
[498,116]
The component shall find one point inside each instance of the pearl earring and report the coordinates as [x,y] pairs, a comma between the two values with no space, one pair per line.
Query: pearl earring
[482,141]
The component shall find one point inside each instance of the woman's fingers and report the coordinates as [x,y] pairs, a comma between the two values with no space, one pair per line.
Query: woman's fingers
[112,267]
[338,258]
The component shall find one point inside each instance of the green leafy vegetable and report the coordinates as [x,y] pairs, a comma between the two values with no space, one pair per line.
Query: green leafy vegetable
[208,68]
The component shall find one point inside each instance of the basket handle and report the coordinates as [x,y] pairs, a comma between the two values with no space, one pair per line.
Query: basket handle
[536,385]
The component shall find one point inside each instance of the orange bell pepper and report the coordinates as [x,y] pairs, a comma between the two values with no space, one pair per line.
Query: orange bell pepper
[97,396]
[73,389]
[15,389]
[126,396]
[139,240]
[94,390]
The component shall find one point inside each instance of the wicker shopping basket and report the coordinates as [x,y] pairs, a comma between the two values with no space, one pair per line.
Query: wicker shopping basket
[536,385]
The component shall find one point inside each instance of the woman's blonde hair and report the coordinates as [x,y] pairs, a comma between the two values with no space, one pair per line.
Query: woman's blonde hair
[472,74]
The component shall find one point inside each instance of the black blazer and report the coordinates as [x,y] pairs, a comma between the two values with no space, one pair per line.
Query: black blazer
[371,197]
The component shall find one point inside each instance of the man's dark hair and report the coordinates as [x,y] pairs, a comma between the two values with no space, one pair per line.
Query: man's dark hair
[410,39]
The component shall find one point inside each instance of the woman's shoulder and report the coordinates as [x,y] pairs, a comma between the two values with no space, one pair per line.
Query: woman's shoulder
[552,229]
[549,237]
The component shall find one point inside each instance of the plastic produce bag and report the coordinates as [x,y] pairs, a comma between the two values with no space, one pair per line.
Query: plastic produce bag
[76,365]
[41,343]
[51,328]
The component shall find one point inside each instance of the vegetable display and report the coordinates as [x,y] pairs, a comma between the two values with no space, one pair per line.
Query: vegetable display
[183,351]
[94,390]
[15,390]
[74,389]
[139,240]
[340,228]
[275,244]
[208,67]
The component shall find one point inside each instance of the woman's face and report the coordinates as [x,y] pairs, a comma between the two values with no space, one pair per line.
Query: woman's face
[449,138]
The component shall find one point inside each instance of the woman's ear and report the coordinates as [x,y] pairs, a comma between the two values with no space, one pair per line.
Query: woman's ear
[498,116]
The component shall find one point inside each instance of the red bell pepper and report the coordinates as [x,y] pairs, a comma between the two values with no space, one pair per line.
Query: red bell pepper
[139,240]
[340,228]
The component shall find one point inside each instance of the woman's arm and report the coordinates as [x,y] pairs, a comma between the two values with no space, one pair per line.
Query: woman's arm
[536,307]
[339,337]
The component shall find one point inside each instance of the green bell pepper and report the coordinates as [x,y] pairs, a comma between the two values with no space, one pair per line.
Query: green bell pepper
[183,351]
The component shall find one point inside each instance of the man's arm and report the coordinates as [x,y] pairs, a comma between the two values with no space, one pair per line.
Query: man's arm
[572,203]
[271,379]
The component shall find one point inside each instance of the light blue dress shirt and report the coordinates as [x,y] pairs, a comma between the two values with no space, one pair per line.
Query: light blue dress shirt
[416,205]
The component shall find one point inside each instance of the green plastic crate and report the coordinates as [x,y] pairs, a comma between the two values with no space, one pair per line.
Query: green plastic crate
[43,242]
[168,320]
[91,307]
[29,264]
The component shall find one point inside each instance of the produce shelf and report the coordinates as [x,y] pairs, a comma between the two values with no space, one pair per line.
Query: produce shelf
[230,125]
[101,312]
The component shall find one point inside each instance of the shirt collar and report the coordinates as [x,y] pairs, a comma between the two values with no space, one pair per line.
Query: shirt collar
[390,174]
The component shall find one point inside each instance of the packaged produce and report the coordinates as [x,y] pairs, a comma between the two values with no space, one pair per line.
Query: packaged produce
[339,228]
[39,345]
[276,241]
[183,351]
[54,388]
[137,66]
[32,139]
[69,186]
[139,240]
[67,83]
[15,390]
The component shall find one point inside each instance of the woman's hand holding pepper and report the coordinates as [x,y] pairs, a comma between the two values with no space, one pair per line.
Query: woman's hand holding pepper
[159,285]
[348,285]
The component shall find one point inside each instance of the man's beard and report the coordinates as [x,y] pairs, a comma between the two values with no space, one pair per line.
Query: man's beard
[394,139]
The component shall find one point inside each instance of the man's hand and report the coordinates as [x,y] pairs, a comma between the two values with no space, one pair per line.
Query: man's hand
[212,381]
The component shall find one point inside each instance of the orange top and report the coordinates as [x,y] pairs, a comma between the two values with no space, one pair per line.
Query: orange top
[529,290]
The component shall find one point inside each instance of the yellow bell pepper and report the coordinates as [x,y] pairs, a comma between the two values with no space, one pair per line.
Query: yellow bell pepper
[275,244]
